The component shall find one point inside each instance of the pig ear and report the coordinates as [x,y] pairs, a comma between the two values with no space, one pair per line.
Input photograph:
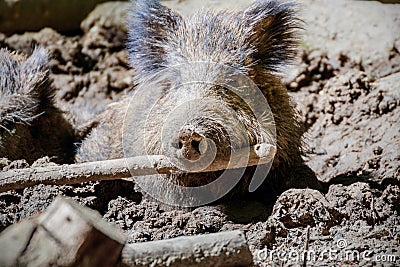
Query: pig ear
[150,23]
[274,27]
[35,73]
[38,60]
[37,76]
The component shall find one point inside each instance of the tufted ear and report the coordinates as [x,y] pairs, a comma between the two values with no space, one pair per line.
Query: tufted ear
[150,23]
[24,86]
[37,62]
[274,28]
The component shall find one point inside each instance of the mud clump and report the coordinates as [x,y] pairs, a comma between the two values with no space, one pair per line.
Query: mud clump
[351,120]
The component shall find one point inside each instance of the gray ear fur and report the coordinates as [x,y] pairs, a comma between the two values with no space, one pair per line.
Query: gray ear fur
[275,32]
[149,25]
[23,86]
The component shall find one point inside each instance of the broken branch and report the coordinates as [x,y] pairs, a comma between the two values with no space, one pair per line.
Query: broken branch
[122,168]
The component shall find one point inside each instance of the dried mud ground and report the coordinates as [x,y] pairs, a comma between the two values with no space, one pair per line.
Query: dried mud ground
[346,84]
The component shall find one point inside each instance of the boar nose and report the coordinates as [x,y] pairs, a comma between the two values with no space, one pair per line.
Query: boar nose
[191,144]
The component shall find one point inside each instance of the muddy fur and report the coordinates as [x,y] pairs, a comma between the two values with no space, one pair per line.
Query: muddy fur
[257,42]
[30,125]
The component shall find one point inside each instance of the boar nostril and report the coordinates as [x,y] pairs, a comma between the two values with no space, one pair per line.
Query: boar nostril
[196,145]
[191,144]
[177,144]
[200,146]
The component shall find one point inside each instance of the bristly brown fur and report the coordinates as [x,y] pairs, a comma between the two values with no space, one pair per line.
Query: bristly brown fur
[266,33]
[30,125]
[149,24]
[275,33]
[21,85]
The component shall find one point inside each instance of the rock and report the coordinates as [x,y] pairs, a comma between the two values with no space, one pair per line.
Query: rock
[300,208]
[109,15]
[105,27]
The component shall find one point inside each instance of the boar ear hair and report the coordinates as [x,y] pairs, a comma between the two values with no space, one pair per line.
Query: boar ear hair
[38,60]
[275,28]
[149,23]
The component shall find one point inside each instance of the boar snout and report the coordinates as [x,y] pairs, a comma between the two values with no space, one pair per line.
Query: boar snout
[191,145]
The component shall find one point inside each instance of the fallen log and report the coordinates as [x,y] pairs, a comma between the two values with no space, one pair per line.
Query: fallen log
[122,168]
[219,249]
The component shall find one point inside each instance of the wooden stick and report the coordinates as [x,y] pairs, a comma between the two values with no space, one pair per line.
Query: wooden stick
[79,173]
[121,168]
[219,249]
